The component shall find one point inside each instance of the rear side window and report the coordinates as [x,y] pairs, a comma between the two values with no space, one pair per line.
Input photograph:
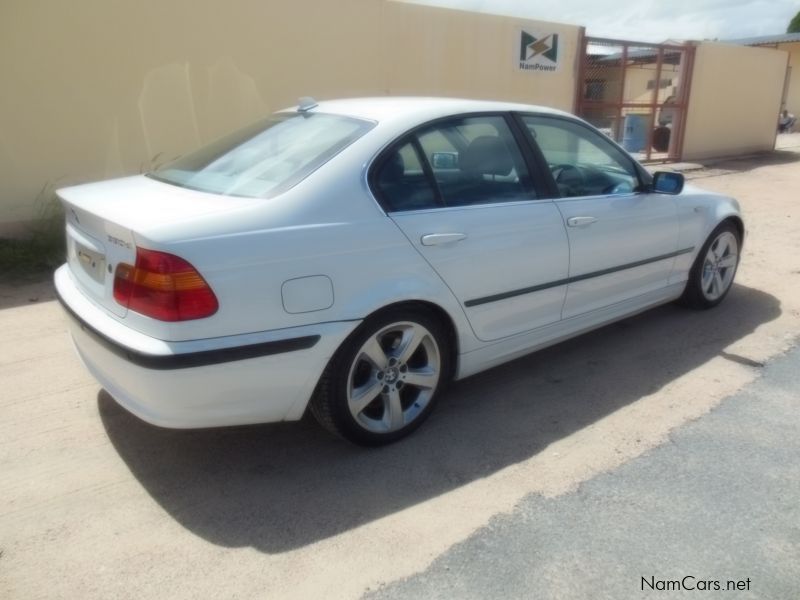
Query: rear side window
[458,162]
[402,182]
[266,158]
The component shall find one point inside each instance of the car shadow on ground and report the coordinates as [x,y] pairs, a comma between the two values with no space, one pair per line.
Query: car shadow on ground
[281,487]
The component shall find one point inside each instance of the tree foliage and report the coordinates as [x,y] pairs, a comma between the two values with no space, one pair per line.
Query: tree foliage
[794,24]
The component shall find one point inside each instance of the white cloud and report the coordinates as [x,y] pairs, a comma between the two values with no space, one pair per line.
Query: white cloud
[649,20]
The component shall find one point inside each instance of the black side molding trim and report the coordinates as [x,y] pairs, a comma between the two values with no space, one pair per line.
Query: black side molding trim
[192,359]
[552,284]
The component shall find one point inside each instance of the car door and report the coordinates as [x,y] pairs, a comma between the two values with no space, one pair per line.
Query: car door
[623,241]
[465,197]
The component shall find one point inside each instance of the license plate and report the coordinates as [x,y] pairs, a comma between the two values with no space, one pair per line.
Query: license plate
[92,263]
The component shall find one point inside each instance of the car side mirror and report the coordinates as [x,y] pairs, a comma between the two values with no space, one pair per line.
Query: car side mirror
[667,182]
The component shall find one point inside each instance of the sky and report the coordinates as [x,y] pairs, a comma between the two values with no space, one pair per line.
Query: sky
[648,20]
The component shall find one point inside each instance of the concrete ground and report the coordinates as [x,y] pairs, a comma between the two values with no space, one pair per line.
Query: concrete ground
[714,510]
[787,141]
[99,504]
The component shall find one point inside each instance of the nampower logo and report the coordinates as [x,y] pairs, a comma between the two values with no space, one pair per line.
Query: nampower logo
[538,52]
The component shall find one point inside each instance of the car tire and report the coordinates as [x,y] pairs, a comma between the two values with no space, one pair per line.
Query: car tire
[712,274]
[384,380]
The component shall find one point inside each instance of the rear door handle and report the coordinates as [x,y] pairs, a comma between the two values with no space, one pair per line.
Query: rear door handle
[581,221]
[438,239]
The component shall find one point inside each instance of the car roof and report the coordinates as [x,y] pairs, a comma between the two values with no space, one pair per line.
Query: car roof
[416,109]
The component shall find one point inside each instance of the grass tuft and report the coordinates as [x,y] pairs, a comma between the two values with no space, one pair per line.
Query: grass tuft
[44,248]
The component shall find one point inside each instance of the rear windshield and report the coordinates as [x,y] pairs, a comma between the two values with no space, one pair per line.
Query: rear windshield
[266,158]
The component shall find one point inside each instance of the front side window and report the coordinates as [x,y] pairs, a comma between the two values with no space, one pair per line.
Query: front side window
[458,162]
[265,158]
[582,161]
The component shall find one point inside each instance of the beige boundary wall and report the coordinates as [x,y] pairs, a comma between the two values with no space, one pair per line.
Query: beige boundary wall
[734,101]
[101,88]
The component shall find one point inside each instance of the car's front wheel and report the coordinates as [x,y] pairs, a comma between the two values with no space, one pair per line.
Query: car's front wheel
[711,276]
[383,381]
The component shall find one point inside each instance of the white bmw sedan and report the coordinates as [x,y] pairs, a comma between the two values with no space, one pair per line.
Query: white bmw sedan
[351,257]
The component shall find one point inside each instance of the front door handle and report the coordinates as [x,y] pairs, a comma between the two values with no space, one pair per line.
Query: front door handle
[438,239]
[581,221]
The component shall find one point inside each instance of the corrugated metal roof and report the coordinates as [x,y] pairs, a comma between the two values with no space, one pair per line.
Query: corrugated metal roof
[649,53]
[762,40]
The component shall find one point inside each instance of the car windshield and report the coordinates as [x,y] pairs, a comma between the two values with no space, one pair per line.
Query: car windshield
[266,158]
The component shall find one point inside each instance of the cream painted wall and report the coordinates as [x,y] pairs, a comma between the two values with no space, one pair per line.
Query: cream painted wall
[734,100]
[475,55]
[102,88]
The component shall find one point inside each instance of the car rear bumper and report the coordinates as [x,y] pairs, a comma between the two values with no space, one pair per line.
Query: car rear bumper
[254,378]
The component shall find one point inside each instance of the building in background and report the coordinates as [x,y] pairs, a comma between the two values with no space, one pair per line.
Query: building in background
[637,94]
[788,42]
[98,89]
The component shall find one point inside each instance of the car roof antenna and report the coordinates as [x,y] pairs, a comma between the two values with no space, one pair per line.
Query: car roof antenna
[305,104]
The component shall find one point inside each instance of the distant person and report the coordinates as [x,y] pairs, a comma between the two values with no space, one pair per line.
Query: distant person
[786,122]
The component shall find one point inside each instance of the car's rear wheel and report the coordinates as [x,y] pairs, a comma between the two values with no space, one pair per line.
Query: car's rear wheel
[383,382]
[711,276]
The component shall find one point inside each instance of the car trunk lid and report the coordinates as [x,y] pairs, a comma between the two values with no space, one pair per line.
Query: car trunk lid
[94,248]
[104,220]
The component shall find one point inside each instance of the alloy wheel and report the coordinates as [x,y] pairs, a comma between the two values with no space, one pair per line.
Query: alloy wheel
[393,377]
[719,266]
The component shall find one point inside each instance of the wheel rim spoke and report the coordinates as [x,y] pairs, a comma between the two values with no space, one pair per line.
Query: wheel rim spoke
[422,378]
[373,352]
[717,287]
[712,252]
[361,397]
[708,276]
[412,338]
[721,247]
[392,410]
[728,261]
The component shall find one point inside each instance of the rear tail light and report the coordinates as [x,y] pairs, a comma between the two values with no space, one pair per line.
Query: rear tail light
[163,286]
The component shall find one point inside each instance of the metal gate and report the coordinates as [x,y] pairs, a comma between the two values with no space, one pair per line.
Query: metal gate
[637,94]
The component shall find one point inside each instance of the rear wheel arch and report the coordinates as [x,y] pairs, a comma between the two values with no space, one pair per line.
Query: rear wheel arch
[434,310]
[440,313]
